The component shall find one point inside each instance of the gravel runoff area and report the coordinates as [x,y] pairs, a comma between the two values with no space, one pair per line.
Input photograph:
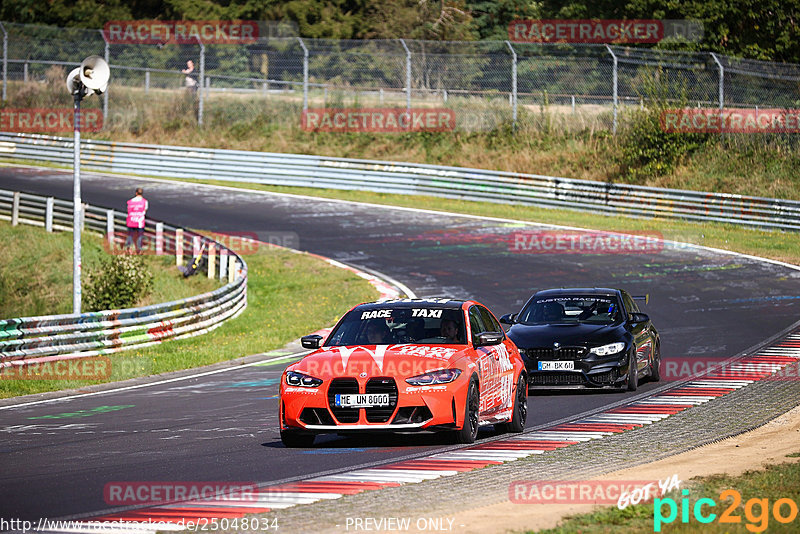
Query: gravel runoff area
[468,498]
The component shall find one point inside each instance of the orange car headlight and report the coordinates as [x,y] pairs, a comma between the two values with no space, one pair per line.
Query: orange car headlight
[293,378]
[442,376]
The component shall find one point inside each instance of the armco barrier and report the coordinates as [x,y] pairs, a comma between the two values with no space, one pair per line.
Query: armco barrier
[407,178]
[27,339]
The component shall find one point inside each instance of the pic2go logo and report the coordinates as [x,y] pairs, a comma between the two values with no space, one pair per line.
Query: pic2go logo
[756,511]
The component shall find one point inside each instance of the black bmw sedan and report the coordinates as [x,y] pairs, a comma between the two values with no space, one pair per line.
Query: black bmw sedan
[585,338]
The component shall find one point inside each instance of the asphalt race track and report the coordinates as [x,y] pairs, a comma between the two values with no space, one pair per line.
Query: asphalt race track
[56,457]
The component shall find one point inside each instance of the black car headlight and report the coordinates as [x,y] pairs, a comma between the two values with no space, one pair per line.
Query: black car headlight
[442,376]
[608,350]
[293,378]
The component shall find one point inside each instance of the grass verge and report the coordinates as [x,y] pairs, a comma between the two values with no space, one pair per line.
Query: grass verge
[288,296]
[36,272]
[755,511]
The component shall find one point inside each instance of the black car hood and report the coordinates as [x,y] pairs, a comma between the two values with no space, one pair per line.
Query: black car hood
[529,336]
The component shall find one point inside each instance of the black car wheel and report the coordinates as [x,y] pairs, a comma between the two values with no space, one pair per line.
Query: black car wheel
[469,431]
[520,414]
[633,374]
[655,365]
[296,440]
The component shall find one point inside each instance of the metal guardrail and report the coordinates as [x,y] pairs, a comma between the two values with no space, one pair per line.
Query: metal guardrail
[51,337]
[407,178]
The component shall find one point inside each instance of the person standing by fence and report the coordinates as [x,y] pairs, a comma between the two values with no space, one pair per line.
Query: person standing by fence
[190,82]
[137,207]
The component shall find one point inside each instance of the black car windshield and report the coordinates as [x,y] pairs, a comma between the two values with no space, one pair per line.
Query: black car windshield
[571,309]
[388,326]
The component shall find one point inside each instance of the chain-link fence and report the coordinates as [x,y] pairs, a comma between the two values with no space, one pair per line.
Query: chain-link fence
[486,83]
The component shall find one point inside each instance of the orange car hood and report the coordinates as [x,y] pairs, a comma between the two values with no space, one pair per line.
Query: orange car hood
[380,360]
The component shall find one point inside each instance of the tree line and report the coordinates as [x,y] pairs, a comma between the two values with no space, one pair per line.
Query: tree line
[766,29]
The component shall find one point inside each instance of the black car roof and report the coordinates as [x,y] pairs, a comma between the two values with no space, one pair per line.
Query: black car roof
[412,303]
[587,291]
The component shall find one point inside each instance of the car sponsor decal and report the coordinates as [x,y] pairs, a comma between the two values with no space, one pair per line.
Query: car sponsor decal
[426,351]
[497,377]
[290,389]
[426,312]
[425,389]
[376,314]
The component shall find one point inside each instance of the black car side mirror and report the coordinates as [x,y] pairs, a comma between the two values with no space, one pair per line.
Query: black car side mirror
[489,338]
[509,318]
[312,341]
[639,318]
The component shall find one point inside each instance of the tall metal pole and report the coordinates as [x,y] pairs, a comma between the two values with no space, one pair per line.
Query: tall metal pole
[76,205]
[721,88]
[615,90]
[305,74]
[408,75]
[513,85]
[105,93]
[202,81]
[5,61]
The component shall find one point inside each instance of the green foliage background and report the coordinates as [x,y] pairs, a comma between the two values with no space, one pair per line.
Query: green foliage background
[767,29]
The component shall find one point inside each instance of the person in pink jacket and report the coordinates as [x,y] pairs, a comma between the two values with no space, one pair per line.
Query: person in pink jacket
[137,207]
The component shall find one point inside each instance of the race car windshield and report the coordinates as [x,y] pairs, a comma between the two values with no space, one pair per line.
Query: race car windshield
[571,310]
[399,325]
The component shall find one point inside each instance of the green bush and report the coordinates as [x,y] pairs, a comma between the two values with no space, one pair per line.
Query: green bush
[118,282]
[646,150]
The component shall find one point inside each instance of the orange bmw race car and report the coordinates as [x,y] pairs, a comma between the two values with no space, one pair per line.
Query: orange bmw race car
[405,365]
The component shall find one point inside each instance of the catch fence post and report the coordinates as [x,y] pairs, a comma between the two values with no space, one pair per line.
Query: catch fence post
[305,74]
[615,89]
[513,85]
[105,93]
[5,61]
[721,84]
[201,84]
[408,75]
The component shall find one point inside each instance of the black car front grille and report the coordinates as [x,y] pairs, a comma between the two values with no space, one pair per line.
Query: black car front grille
[607,378]
[341,386]
[381,385]
[556,379]
[562,353]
